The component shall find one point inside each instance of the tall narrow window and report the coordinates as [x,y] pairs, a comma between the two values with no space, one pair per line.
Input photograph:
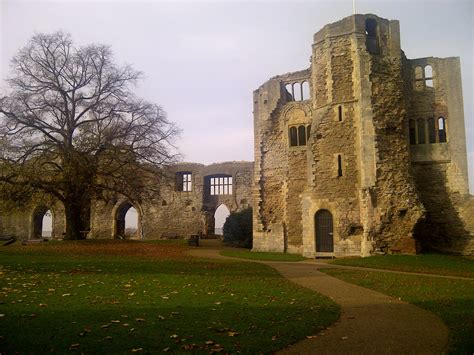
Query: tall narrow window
[297,91]
[293,137]
[371,40]
[305,90]
[428,73]
[442,130]
[301,135]
[431,130]
[339,165]
[289,92]
[339,113]
[412,129]
[308,132]
[421,131]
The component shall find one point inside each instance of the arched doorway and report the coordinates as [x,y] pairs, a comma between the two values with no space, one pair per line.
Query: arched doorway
[127,221]
[42,223]
[221,214]
[324,231]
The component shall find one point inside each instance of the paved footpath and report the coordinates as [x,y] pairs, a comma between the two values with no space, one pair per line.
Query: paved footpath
[370,321]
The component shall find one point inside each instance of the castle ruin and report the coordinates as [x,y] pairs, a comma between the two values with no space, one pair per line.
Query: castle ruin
[362,152]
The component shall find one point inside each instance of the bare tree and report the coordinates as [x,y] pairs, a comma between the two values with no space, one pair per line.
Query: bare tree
[72,127]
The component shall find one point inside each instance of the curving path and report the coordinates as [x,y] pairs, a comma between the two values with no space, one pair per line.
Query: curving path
[370,321]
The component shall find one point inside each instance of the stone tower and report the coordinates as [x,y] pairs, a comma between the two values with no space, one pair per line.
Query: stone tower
[333,164]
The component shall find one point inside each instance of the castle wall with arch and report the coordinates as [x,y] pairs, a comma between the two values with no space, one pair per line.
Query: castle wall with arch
[173,212]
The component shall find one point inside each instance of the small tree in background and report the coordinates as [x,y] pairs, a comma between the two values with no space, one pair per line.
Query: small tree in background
[238,229]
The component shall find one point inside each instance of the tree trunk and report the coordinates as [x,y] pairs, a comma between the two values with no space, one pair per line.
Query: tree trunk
[73,219]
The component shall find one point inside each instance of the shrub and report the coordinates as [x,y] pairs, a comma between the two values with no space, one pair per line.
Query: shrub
[238,229]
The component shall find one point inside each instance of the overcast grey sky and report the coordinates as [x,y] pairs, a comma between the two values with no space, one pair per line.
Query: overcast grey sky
[203,59]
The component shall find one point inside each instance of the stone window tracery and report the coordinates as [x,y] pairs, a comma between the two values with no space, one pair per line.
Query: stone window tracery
[299,135]
[297,91]
[221,185]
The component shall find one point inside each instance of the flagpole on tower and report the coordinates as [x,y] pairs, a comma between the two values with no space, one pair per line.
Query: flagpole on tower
[353,7]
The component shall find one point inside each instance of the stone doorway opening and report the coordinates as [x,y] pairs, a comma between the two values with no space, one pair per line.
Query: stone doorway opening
[127,222]
[323,226]
[42,223]
[221,214]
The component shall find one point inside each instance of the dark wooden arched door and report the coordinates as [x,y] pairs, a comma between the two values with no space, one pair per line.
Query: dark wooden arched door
[324,231]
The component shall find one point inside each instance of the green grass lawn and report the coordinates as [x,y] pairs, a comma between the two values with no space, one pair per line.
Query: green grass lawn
[126,297]
[452,300]
[247,254]
[425,263]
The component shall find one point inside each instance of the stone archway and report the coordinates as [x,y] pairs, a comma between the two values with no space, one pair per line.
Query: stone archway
[37,222]
[123,228]
[220,215]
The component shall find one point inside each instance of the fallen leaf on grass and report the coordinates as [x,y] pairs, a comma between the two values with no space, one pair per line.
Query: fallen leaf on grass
[139,319]
[232,334]
[136,350]
[115,321]
[74,346]
[66,294]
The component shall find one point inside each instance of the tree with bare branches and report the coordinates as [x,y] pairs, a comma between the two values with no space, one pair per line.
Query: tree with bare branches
[70,126]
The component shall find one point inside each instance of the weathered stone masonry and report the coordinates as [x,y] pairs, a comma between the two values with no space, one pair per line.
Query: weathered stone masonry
[355,184]
[364,151]
[173,213]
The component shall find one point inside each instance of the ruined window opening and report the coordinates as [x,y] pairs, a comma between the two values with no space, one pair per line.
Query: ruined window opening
[305,90]
[428,76]
[431,130]
[301,135]
[371,40]
[339,112]
[442,136]
[293,137]
[184,181]
[297,94]
[221,185]
[289,92]
[339,165]
[421,131]
[412,129]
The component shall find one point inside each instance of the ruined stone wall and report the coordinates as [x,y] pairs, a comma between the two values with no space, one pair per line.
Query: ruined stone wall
[22,221]
[280,169]
[440,168]
[397,202]
[170,213]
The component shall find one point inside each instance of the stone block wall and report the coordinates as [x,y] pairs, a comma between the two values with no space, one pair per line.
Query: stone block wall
[169,213]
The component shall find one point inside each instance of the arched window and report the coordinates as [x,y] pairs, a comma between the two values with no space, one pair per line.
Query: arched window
[289,92]
[421,131]
[301,135]
[442,130]
[371,40]
[431,130]
[429,76]
[305,90]
[412,129]
[297,91]
[293,137]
